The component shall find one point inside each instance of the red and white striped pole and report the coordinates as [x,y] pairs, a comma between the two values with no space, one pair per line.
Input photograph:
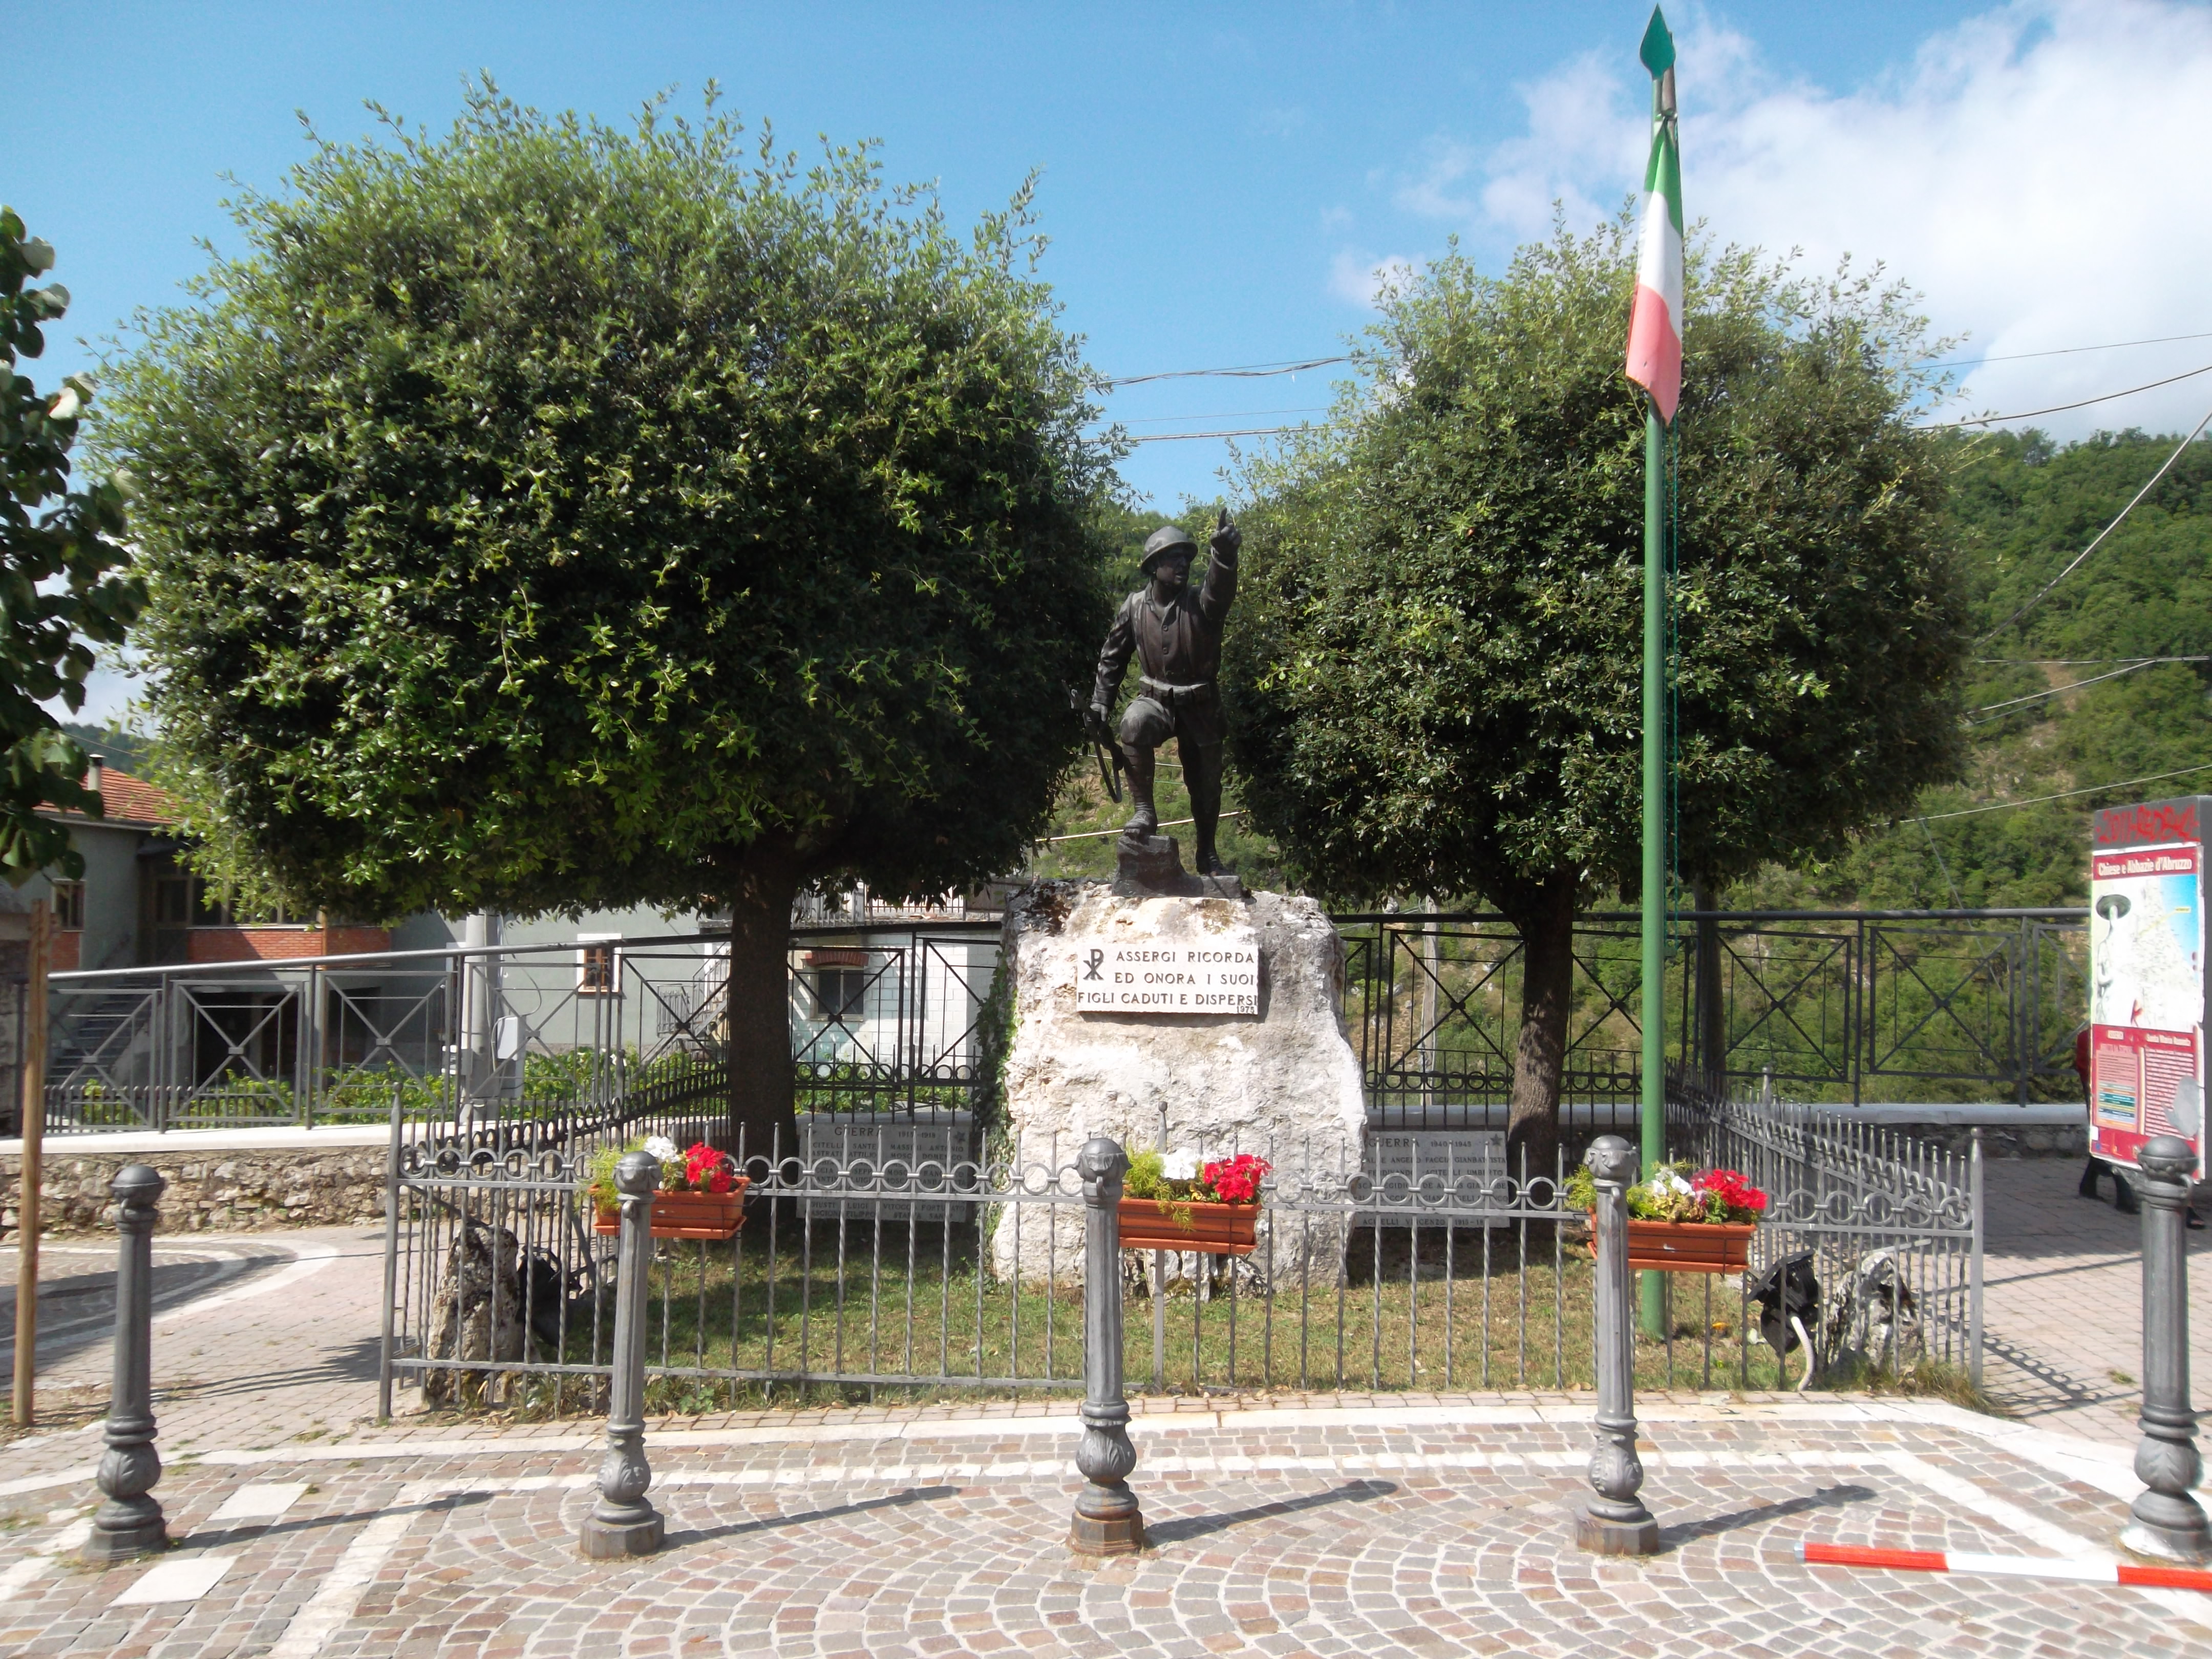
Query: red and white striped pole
[2008,1566]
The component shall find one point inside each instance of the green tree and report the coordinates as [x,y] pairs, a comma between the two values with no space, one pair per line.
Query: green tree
[544,516]
[64,585]
[1436,682]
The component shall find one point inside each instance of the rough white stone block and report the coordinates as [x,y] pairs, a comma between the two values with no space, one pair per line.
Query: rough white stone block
[1283,1082]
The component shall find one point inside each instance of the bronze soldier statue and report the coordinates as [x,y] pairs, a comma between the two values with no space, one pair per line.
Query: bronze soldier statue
[1176,636]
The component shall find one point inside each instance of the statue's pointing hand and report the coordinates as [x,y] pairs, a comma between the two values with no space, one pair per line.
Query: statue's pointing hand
[1227,537]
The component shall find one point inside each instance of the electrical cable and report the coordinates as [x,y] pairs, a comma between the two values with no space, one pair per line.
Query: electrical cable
[2075,662]
[1179,437]
[2179,450]
[1932,426]
[1241,372]
[2056,409]
[2066,795]
[2065,351]
[2056,690]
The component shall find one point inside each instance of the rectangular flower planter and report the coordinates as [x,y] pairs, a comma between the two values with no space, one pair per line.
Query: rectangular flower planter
[1688,1246]
[1151,1224]
[712,1216]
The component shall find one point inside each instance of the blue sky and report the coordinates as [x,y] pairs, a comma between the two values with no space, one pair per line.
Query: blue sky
[1219,180]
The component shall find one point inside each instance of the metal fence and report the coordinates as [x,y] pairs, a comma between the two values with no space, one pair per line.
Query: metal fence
[1880,1234]
[1834,1005]
[884,1257]
[885,1019]
[479,1037]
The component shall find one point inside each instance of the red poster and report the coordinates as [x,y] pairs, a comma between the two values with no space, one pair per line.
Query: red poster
[2136,1075]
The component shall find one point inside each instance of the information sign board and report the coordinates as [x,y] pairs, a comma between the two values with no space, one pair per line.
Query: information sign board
[2147,983]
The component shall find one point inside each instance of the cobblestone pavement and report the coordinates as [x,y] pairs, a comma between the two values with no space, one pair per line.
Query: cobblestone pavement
[2062,1301]
[1324,1525]
[1398,1529]
[258,1337]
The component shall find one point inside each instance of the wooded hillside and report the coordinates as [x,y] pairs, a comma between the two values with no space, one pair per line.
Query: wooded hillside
[2061,699]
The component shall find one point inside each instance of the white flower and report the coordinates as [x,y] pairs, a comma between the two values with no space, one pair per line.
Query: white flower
[1668,1182]
[1179,1166]
[662,1147]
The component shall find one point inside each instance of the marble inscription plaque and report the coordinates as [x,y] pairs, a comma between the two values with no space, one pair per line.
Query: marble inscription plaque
[1216,974]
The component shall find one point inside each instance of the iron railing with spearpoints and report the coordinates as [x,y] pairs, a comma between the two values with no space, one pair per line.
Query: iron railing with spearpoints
[884,1257]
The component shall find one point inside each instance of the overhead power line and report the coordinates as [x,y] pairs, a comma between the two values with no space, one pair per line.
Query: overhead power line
[2055,690]
[2055,409]
[2067,351]
[2178,451]
[1261,371]
[2075,662]
[1239,372]
[2065,794]
[1180,437]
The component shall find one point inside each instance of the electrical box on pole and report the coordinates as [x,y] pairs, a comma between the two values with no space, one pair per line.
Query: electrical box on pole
[2147,986]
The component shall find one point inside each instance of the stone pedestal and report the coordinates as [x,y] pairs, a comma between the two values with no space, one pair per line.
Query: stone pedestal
[1204,1061]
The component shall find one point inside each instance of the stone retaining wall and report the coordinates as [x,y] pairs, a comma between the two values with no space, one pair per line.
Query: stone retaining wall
[2030,1140]
[229,1191]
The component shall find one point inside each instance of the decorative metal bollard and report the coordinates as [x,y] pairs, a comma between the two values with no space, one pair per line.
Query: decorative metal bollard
[1615,1521]
[1107,1519]
[623,1522]
[2165,1521]
[129,1523]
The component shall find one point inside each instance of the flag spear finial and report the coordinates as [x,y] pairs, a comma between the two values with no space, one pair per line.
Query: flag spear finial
[1658,51]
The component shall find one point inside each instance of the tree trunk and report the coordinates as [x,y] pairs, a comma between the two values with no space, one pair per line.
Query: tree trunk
[762,1120]
[1546,919]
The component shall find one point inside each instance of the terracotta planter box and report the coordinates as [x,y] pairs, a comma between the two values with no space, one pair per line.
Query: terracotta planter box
[713,1215]
[1688,1246]
[1147,1223]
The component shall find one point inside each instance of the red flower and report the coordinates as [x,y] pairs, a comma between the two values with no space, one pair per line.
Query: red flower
[1730,1187]
[705,1169]
[1236,1180]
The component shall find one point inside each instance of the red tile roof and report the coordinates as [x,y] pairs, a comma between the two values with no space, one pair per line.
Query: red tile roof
[130,800]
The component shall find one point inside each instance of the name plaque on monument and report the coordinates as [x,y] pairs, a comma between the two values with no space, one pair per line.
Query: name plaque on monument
[1218,974]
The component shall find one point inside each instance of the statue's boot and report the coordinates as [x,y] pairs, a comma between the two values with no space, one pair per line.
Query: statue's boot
[1144,823]
[1201,770]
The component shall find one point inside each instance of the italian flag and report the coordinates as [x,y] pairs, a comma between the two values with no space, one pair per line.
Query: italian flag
[1655,321]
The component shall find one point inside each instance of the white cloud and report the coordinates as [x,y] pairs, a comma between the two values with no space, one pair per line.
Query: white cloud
[2036,171]
[1360,277]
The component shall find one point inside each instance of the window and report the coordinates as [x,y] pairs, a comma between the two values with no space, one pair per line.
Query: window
[183,901]
[840,992]
[69,906]
[598,965]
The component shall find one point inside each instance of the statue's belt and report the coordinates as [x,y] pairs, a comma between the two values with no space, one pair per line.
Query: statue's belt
[1173,695]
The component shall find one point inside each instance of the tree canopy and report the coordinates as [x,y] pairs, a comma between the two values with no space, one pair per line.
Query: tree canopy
[544,515]
[65,581]
[1436,683]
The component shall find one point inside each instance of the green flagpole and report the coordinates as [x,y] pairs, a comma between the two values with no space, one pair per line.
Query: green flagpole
[1658,54]
[1653,1114]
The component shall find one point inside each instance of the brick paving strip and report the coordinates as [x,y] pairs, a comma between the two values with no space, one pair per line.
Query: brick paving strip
[1382,1529]
[1325,1524]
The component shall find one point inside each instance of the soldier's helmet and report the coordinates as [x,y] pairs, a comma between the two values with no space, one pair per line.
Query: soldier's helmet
[1166,540]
